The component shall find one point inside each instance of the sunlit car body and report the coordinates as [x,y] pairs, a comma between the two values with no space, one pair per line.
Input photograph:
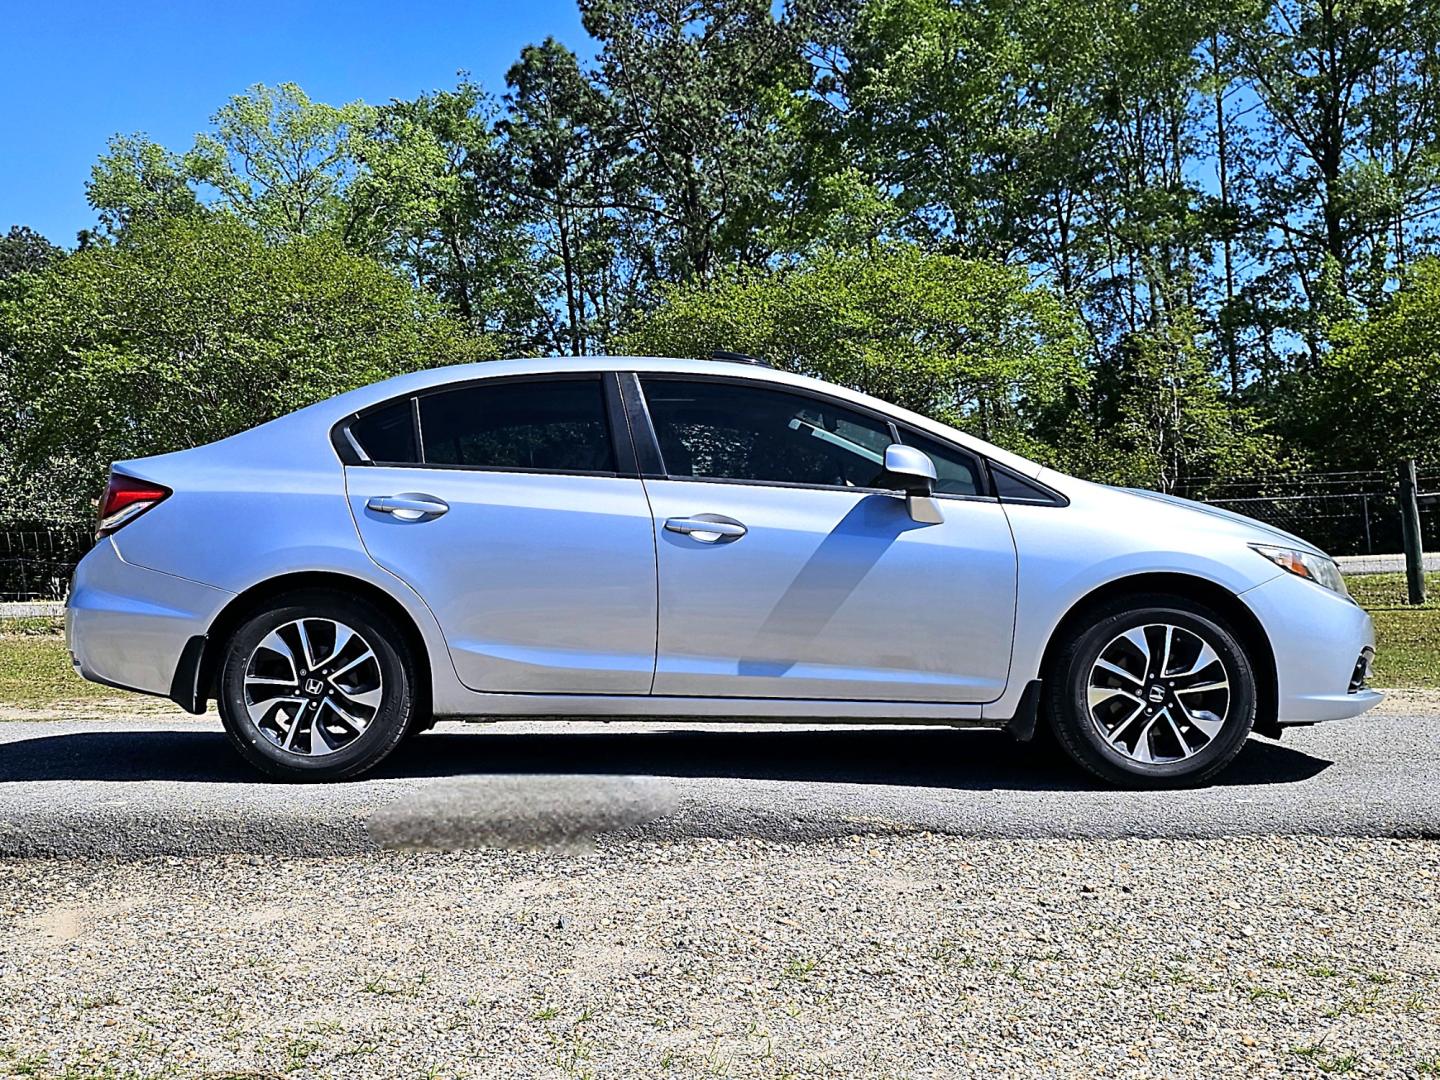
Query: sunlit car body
[691,539]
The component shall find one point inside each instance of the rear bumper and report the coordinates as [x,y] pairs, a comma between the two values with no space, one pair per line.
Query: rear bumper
[127,626]
[1317,637]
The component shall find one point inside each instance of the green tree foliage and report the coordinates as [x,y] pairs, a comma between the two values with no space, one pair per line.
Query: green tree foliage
[562,137]
[437,196]
[969,341]
[1346,159]
[138,182]
[24,251]
[1156,415]
[696,87]
[1376,398]
[191,330]
[279,160]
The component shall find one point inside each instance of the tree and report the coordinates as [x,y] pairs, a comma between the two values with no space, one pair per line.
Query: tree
[24,251]
[437,194]
[279,160]
[1347,161]
[970,342]
[1161,419]
[561,132]
[1376,397]
[191,330]
[138,181]
[697,88]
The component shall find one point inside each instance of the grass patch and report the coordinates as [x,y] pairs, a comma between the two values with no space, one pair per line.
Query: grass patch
[1407,639]
[35,669]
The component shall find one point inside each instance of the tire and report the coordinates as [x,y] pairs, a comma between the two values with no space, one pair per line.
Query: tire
[364,705]
[1193,728]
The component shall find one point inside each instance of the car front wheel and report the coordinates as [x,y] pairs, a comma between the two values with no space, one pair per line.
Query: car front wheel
[318,687]
[1154,691]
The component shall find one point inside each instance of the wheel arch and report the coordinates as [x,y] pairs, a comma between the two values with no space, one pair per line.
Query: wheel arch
[1201,591]
[194,688]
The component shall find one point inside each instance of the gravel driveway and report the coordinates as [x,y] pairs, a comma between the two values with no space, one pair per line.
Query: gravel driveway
[915,956]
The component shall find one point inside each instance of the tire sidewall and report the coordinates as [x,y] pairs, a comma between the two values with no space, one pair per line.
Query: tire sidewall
[1078,733]
[368,749]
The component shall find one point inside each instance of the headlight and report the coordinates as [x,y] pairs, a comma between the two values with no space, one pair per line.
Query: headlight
[1306,564]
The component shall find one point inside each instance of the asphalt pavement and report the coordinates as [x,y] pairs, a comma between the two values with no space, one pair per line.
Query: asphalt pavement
[144,786]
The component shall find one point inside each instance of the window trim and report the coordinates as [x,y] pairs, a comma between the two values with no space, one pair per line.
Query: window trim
[351,453]
[636,387]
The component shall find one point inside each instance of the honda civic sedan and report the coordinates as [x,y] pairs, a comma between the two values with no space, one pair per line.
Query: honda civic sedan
[692,539]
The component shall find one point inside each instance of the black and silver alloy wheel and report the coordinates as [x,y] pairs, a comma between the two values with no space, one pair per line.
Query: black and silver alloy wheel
[320,686]
[1158,693]
[1151,690]
[312,686]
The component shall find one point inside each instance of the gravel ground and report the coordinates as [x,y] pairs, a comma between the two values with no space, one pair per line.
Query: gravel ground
[897,956]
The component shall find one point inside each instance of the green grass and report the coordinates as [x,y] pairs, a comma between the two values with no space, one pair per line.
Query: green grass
[1407,639]
[35,670]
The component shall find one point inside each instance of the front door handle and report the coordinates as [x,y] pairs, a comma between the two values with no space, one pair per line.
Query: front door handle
[707,528]
[410,506]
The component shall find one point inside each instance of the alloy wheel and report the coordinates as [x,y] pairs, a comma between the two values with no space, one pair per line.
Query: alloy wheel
[312,686]
[1158,693]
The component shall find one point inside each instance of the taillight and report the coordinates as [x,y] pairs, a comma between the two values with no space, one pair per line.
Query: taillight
[126,498]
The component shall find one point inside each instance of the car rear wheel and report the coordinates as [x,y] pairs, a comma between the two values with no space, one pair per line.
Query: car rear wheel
[318,687]
[1154,691]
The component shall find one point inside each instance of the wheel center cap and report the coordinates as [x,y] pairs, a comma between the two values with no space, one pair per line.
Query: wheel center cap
[313,687]
[1156,694]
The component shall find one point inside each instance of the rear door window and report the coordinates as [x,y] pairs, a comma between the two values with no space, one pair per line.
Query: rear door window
[542,425]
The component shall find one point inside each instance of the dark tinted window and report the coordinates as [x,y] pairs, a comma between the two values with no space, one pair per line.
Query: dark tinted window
[956,472]
[387,434]
[735,431]
[1012,488]
[552,424]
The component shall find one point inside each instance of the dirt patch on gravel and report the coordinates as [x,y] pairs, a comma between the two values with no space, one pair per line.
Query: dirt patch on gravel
[915,956]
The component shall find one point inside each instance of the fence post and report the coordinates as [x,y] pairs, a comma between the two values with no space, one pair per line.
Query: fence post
[1410,532]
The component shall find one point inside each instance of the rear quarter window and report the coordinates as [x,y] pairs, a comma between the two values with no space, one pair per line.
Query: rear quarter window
[388,433]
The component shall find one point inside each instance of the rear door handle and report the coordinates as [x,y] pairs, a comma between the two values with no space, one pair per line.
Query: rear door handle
[707,528]
[409,506]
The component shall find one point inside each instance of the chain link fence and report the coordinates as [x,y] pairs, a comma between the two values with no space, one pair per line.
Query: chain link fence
[1344,513]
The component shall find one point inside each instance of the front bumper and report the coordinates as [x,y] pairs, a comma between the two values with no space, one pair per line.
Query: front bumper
[1317,637]
[127,626]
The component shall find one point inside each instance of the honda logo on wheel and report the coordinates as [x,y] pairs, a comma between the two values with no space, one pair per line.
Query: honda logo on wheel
[313,686]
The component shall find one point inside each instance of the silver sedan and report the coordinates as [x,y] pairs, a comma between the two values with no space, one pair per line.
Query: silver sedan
[692,539]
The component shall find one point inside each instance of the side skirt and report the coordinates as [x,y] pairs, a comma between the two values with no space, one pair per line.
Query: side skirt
[619,706]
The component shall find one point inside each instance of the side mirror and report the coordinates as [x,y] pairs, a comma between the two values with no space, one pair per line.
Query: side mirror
[912,472]
[909,470]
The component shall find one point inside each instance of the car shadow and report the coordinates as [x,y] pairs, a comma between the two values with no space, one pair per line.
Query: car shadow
[909,757]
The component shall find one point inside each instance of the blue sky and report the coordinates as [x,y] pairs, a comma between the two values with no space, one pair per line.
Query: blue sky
[78,71]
